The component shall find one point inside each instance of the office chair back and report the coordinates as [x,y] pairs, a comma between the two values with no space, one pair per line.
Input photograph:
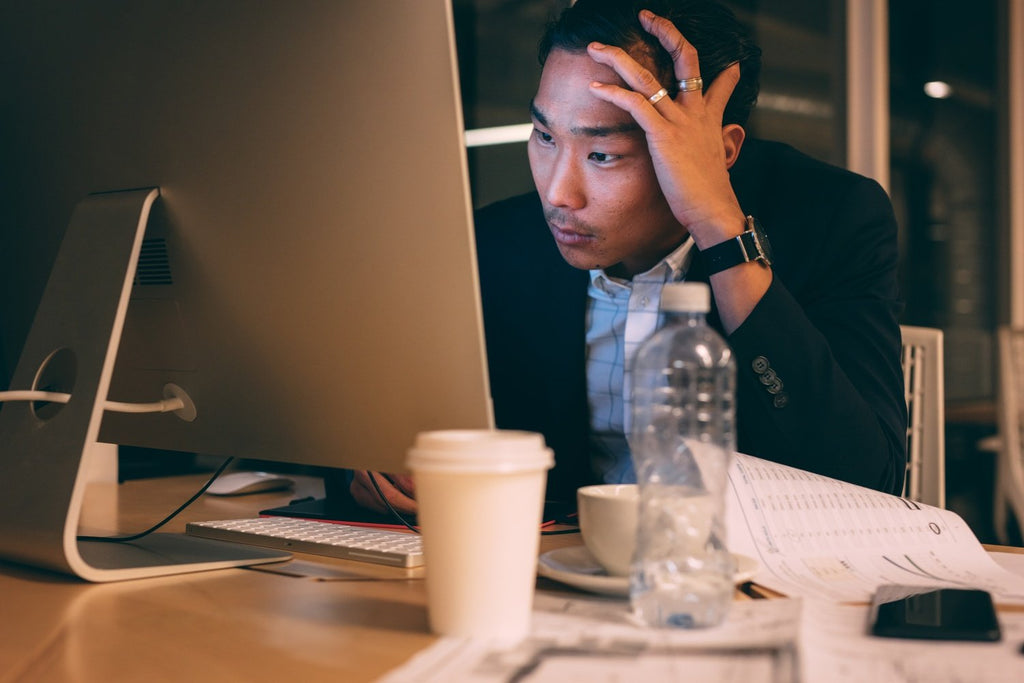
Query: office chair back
[1010,460]
[923,378]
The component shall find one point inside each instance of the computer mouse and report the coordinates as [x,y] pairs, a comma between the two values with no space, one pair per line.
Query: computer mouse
[241,483]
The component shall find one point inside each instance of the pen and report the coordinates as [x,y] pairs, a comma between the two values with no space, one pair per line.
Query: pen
[749,589]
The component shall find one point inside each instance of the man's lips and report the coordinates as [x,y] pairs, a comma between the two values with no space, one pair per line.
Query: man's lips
[568,236]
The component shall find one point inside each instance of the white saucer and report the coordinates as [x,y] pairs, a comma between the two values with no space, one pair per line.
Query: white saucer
[576,567]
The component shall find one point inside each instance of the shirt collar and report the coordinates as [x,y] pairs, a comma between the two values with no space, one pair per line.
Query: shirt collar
[672,268]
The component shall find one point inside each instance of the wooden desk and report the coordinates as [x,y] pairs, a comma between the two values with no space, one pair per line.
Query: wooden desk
[355,624]
[226,625]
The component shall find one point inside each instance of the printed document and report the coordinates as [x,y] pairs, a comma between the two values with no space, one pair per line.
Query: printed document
[821,538]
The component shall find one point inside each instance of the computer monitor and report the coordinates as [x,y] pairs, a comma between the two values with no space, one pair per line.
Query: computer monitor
[306,276]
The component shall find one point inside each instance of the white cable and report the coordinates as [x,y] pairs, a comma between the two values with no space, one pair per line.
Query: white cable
[168,405]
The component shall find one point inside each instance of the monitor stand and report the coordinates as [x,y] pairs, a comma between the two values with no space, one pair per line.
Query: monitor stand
[71,348]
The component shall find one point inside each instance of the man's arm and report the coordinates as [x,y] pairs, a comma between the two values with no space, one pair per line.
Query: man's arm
[818,359]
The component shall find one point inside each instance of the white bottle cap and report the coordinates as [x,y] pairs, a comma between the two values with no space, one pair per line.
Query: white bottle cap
[687,297]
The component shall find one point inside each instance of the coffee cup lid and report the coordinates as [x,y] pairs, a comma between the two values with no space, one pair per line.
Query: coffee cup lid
[480,450]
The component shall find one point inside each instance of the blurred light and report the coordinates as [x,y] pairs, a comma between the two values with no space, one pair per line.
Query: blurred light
[790,104]
[940,90]
[498,135]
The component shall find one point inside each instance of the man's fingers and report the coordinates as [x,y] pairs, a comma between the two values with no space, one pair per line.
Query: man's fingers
[638,106]
[366,495]
[398,499]
[685,60]
[637,100]
[404,483]
[639,79]
[720,91]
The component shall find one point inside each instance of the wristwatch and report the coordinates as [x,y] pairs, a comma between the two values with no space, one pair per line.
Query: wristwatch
[752,245]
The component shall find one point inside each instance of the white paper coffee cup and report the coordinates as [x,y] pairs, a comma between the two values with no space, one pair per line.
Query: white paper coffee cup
[480,497]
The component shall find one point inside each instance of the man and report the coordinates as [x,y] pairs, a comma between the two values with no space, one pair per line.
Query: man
[644,175]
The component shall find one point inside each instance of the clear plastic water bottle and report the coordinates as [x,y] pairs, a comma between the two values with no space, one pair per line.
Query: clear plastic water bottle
[682,440]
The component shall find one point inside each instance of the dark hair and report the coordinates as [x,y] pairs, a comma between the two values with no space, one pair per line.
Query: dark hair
[720,40]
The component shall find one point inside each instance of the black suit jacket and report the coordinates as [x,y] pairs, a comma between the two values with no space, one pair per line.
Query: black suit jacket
[827,327]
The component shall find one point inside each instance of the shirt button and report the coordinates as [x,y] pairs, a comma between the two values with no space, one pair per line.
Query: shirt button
[644,301]
[760,364]
[780,400]
[768,376]
[775,387]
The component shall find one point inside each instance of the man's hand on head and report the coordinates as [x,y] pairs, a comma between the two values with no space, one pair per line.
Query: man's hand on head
[692,152]
[689,147]
[397,488]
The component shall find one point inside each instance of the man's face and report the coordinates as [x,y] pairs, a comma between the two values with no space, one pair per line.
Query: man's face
[592,168]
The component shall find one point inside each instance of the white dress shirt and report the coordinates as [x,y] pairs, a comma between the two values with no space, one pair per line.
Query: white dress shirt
[621,314]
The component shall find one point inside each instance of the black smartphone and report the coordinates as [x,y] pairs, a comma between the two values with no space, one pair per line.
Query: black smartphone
[933,613]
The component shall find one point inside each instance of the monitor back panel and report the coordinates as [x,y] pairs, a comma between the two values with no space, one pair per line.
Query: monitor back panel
[308,275]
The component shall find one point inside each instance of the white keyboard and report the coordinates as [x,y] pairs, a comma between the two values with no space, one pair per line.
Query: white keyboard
[367,544]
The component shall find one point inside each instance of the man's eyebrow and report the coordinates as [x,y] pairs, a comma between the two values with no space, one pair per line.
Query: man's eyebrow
[589,131]
[536,113]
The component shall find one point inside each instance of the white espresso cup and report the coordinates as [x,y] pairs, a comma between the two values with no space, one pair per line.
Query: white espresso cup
[480,498]
[607,517]
[608,522]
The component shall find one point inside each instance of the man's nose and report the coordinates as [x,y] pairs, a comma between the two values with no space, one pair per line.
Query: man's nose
[565,186]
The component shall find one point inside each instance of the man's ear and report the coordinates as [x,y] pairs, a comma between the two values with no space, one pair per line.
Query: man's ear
[733,136]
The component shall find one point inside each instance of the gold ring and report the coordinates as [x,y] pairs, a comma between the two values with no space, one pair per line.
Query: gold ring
[690,84]
[656,97]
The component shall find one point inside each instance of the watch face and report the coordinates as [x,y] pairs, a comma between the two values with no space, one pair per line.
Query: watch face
[751,245]
[764,247]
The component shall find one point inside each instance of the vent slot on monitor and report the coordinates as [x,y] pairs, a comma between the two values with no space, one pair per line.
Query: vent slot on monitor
[154,265]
